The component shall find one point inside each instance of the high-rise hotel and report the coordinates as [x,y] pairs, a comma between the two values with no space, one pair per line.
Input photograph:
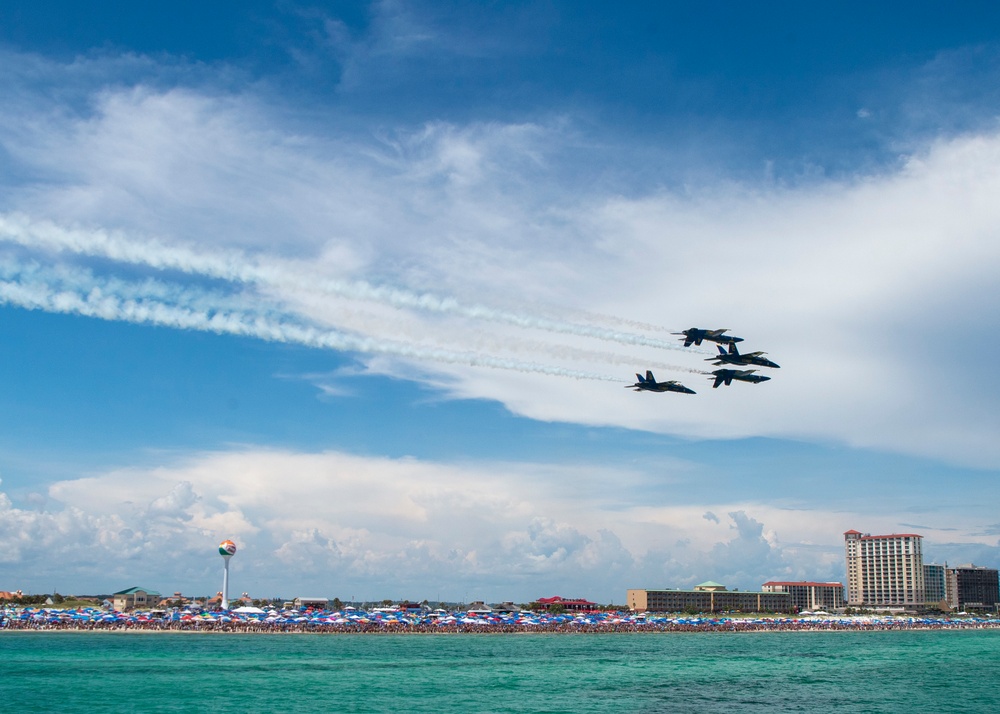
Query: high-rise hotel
[884,570]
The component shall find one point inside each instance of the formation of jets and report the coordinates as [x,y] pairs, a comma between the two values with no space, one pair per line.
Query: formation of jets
[732,356]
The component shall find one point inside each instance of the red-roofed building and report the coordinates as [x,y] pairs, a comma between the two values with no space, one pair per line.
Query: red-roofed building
[807,595]
[215,602]
[548,603]
[176,600]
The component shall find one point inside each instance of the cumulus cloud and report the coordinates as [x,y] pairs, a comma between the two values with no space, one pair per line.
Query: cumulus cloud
[751,547]
[339,524]
[176,503]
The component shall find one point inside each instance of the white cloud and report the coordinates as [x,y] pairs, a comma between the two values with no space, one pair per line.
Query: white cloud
[334,523]
[873,293]
[850,285]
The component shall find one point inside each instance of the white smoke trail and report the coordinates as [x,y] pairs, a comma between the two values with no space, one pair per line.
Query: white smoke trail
[494,342]
[66,278]
[136,303]
[235,266]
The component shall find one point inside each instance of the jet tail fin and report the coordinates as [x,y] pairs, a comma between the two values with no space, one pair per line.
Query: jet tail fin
[722,375]
[649,376]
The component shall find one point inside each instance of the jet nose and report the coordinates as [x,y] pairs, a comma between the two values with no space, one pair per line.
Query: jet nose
[764,379]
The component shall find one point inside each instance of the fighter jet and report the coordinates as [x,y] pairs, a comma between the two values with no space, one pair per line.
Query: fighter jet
[743,375]
[734,357]
[649,384]
[696,335]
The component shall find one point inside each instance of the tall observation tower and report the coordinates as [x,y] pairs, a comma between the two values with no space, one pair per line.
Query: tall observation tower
[227,549]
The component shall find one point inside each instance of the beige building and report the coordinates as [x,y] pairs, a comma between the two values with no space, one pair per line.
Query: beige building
[707,597]
[135,599]
[884,570]
[809,595]
[317,603]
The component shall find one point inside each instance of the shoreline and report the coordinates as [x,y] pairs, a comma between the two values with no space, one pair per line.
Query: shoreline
[560,629]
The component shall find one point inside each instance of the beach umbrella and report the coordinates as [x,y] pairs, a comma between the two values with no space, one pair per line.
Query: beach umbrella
[249,610]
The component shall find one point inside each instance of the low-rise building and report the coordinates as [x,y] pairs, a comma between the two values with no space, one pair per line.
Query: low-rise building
[175,600]
[316,603]
[214,602]
[135,599]
[807,595]
[575,605]
[707,597]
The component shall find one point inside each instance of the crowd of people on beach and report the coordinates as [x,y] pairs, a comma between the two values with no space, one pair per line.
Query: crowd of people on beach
[390,622]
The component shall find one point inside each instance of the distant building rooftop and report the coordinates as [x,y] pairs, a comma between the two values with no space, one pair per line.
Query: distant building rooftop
[569,604]
[133,591]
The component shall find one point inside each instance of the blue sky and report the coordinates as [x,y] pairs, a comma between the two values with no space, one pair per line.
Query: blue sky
[358,285]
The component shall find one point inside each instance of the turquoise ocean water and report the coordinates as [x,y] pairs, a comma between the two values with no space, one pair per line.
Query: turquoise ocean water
[902,671]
